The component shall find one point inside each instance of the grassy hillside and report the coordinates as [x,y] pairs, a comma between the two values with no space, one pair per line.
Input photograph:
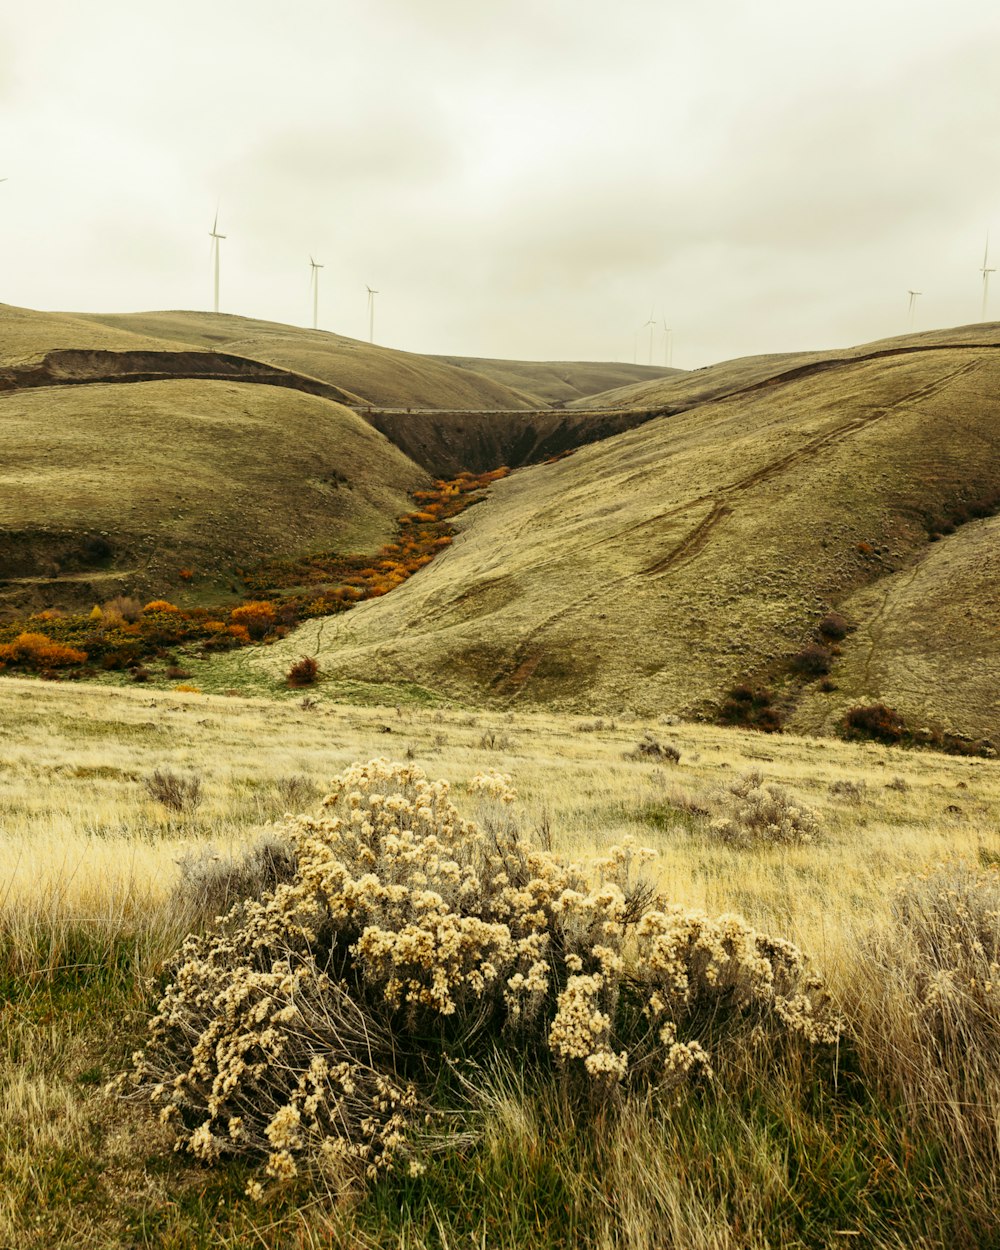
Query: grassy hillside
[110,488]
[661,567]
[379,375]
[927,640]
[561,381]
[26,335]
[698,386]
[889,1140]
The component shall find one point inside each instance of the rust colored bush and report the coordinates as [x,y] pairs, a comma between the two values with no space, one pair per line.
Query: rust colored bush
[303,672]
[751,707]
[813,660]
[160,605]
[834,626]
[875,721]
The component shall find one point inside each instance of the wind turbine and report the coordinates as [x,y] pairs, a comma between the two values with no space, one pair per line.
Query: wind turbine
[668,345]
[214,235]
[651,323]
[985,271]
[314,283]
[913,304]
[371,313]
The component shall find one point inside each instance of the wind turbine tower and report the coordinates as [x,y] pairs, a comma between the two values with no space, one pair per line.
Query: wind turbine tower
[652,324]
[986,271]
[314,283]
[668,345]
[214,235]
[371,314]
[913,304]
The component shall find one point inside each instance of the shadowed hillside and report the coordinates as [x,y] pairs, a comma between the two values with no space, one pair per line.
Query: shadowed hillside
[664,565]
[927,641]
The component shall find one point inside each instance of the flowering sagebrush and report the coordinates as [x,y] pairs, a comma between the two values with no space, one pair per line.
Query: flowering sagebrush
[751,814]
[311,1025]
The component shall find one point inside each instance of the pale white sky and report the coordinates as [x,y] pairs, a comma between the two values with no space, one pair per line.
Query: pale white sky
[521,178]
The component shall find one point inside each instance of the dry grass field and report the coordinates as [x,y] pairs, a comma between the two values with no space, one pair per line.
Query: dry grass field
[92,901]
[588,616]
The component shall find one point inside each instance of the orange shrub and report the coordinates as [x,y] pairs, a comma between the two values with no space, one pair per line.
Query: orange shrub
[257,618]
[239,632]
[40,651]
[160,605]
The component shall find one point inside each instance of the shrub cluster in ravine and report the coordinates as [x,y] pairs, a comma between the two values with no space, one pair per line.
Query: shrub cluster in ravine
[321,1025]
[751,707]
[121,633]
[877,723]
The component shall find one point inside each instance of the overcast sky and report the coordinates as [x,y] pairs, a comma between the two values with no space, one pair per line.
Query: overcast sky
[521,178]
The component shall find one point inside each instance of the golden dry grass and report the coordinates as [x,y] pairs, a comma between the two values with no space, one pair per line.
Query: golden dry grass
[26,335]
[561,381]
[88,864]
[80,836]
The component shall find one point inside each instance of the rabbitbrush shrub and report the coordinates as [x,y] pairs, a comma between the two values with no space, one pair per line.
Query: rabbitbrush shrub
[317,1026]
[749,814]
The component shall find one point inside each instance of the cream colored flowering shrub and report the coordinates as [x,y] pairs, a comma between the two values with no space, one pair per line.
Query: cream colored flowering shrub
[311,1026]
[748,814]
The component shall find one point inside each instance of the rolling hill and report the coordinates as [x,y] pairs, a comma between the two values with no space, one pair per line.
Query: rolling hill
[379,376]
[106,489]
[661,567]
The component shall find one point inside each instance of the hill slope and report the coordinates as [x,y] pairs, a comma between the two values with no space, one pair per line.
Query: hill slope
[687,389]
[658,568]
[109,488]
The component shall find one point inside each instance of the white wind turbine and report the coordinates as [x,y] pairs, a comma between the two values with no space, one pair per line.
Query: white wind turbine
[314,283]
[371,313]
[214,235]
[913,304]
[668,345]
[985,271]
[652,325]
